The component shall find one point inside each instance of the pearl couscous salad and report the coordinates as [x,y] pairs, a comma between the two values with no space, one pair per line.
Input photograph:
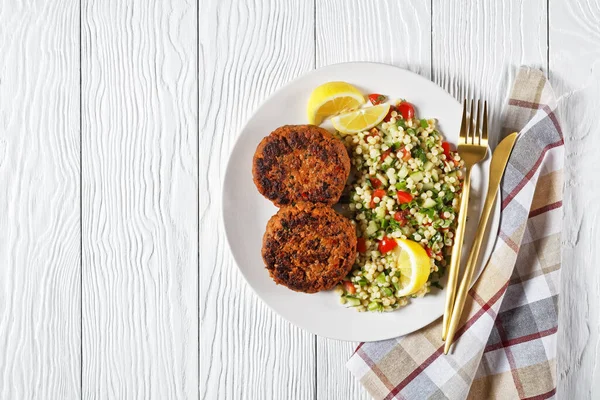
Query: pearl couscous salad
[405,192]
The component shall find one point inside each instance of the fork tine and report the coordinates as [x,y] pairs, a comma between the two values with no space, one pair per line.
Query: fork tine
[463,124]
[485,122]
[471,135]
[477,134]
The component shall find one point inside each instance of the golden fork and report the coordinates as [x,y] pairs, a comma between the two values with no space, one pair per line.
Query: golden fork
[497,167]
[472,148]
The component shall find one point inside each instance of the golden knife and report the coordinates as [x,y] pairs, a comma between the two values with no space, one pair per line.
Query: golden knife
[497,167]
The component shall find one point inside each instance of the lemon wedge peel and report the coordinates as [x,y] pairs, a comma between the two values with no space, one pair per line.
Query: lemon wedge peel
[360,120]
[414,266]
[332,98]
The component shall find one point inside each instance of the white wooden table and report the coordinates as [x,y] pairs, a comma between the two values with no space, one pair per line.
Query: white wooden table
[116,121]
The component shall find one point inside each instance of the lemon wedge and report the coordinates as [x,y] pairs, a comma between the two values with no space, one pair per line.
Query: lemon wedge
[332,98]
[360,120]
[414,266]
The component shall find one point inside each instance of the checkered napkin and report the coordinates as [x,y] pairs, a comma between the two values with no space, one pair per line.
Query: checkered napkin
[506,345]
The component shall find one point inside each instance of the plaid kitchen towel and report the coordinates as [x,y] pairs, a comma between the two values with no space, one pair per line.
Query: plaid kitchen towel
[506,345]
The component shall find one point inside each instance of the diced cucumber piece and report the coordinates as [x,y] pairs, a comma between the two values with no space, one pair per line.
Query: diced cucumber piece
[428,186]
[428,166]
[380,278]
[405,230]
[382,178]
[387,291]
[434,175]
[374,306]
[403,172]
[416,176]
[352,301]
[419,217]
[428,203]
[397,285]
[452,174]
[371,228]
[384,223]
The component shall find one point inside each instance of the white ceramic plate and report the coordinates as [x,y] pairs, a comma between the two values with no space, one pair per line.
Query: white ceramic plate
[246,212]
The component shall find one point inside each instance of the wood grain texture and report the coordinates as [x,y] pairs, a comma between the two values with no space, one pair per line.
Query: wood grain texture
[478,47]
[390,32]
[140,202]
[39,200]
[247,50]
[575,76]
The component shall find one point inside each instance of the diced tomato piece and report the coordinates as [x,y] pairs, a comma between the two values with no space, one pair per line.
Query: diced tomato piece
[375,98]
[446,147]
[386,244]
[385,155]
[406,109]
[400,216]
[376,183]
[349,286]
[361,245]
[377,193]
[406,154]
[388,116]
[429,252]
[403,197]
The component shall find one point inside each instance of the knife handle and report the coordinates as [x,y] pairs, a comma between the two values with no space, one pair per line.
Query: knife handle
[465,284]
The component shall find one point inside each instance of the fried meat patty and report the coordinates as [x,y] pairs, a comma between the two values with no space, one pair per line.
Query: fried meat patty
[309,247]
[300,163]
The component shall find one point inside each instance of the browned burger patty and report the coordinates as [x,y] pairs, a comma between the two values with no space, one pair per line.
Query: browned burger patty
[309,247]
[300,162]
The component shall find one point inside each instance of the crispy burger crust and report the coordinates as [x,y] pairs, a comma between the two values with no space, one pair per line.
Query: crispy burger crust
[309,247]
[301,163]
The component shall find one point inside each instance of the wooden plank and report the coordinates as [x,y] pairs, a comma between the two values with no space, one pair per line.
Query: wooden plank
[140,199]
[478,47]
[575,76]
[383,31]
[379,31]
[247,50]
[40,256]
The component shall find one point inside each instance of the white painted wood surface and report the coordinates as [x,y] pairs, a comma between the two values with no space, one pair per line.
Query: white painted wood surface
[40,296]
[575,76]
[115,278]
[139,200]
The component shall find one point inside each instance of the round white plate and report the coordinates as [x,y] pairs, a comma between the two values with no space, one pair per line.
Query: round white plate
[246,212]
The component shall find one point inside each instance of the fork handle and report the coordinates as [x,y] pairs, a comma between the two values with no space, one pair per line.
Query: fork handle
[465,284]
[456,252]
